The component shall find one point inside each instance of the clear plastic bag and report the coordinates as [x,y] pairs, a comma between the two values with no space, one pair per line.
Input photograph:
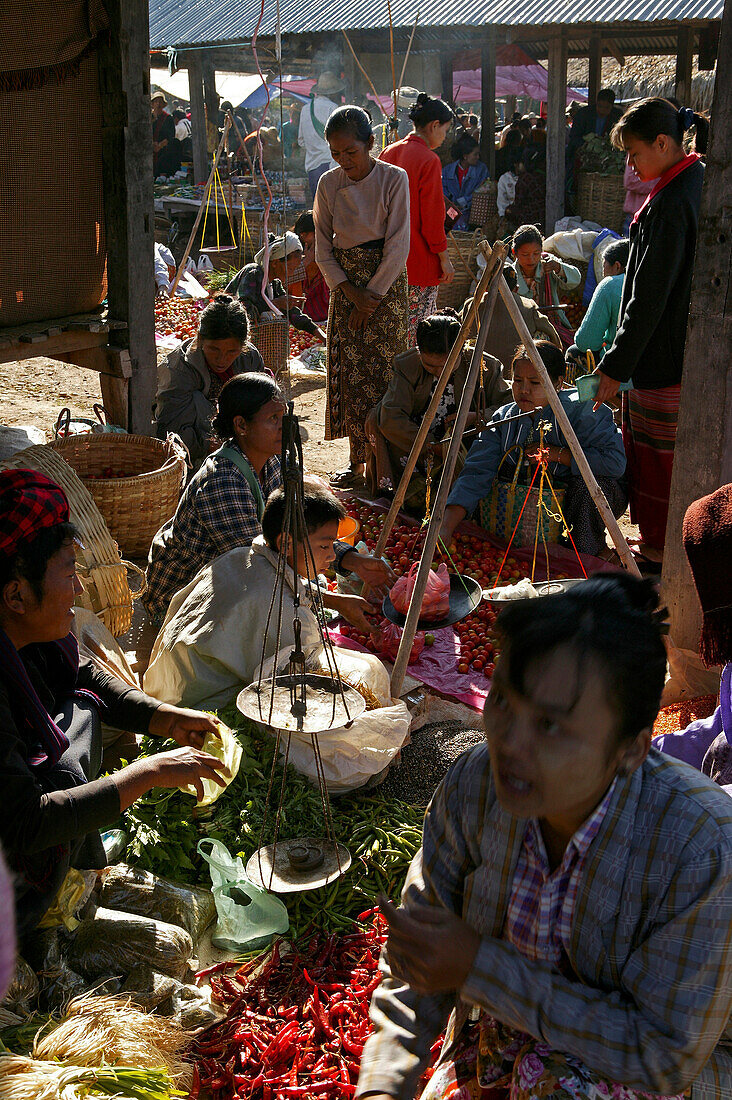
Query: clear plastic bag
[114,942]
[436,599]
[248,917]
[131,890]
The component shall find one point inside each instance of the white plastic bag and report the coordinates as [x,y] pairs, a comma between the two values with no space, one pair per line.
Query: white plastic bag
[353,756]
[248,916]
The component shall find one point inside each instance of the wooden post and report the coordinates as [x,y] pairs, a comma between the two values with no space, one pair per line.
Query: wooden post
[199,141]
[556,130]
[446,76]
[488,104]
[201,208]
[703,454]
[424,428]
[684,63]
[595,76]
[495,265]
[124,79]
[211,101]
[563,422]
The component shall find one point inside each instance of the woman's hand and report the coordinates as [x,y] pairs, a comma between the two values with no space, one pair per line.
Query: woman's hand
[606,391]
[187,727]
[322,334]
[432,950]
[553,267]
[353,609]
[453,514]
[177,768]
[358,319]
[448,271]
[562,455]
[365,300]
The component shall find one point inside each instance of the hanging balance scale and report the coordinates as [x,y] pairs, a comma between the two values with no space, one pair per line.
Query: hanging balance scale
[295,701]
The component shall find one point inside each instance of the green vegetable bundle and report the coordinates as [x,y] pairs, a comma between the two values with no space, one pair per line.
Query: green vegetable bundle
[382,834]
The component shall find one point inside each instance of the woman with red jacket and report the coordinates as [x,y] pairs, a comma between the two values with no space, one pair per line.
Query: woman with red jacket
[428,263]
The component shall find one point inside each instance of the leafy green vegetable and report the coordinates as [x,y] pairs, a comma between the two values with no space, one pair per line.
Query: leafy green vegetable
[598,154]
[382,834]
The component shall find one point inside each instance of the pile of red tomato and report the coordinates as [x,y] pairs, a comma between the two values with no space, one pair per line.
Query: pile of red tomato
[300,342]
[468,554]
[177,317]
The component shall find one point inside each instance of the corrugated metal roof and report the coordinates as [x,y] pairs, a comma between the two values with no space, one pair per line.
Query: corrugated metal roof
[207,22]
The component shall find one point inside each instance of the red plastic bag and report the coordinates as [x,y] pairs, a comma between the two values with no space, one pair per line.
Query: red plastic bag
[389,638]
[436,602]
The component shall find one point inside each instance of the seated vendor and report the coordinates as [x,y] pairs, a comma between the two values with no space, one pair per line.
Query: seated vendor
[707,532]
[392,426]
[600,323]
[190,379]
[285,256]
[598,437]
[317,291]
[574,887]
[223,504]
[50,700]
[543,278]
[216,628]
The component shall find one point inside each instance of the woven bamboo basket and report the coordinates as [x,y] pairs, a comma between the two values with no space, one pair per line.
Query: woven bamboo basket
[272,339]
[104,576]
[138,503]
[600,199]
[462,248]
[484,209]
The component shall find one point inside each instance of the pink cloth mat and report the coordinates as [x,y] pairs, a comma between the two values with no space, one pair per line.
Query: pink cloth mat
[437,664]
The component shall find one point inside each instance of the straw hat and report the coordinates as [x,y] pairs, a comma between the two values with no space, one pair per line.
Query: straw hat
[328,83]
[159,95]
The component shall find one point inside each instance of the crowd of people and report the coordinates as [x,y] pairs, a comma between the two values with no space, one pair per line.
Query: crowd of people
[567,917]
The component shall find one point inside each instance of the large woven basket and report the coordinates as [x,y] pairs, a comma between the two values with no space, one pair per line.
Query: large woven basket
[462,248]
[515,511]
[104,577]
[272,339]
[600,199]
[484,209]
[138,503]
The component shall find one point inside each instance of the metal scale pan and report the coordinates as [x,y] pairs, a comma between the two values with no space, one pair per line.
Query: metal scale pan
[324,707]
[465,596]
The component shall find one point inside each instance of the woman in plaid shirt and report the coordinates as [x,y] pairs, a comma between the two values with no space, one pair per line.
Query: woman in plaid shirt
[223,503]
[574,887]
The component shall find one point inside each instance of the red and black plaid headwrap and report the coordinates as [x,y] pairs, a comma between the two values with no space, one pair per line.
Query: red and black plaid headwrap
[29,502]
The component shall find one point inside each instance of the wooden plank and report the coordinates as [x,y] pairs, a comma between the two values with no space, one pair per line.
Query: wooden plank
[488,104]
[198,119]
[55,347]
[595,77]
[703,455]
[116,399]
[556,130]
[684,61]
[446,75]
[124,69]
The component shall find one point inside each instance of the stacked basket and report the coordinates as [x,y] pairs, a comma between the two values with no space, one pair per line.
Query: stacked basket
[104,576]
[600,199]
[135,481]
[484,209]
[462,248]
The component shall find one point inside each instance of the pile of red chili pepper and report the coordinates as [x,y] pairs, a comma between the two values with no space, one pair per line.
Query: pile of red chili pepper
[296,1024]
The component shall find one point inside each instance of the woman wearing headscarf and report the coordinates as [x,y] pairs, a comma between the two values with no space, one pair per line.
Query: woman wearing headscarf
[707,532]
[361,218]
[54,801]
[285,256]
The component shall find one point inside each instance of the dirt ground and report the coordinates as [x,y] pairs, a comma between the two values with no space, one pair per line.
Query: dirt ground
[35,390]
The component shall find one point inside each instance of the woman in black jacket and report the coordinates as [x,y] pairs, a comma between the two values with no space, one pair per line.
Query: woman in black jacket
[649,344]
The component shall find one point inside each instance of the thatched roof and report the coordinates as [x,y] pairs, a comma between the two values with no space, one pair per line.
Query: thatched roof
[644,76]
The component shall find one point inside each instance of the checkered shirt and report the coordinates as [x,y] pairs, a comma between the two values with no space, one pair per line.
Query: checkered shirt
[216,513]
[540,910]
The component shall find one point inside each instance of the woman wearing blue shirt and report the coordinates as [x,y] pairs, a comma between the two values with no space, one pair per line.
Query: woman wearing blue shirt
[598,436]
[460,179]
